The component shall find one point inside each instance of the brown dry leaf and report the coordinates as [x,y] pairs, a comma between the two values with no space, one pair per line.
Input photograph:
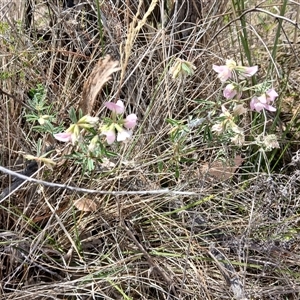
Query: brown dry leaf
[220,170]
[85,204]
[93,85]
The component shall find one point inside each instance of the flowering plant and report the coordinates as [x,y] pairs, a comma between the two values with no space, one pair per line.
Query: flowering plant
[227,71]
[113,128]
[118,127]
[263,99]
[85,133]
[72,134]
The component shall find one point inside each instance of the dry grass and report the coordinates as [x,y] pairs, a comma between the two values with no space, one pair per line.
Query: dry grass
[235,239]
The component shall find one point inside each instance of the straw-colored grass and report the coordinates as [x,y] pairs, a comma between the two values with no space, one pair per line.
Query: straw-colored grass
[235,237]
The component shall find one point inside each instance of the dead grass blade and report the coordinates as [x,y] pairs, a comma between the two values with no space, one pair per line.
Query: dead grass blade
[99,76]
[154,235]
[132,34]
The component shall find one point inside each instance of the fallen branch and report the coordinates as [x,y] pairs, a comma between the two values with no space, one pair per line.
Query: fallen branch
[82,190]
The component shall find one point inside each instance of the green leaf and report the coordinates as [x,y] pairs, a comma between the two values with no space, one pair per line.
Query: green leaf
[72,114]
[186,68]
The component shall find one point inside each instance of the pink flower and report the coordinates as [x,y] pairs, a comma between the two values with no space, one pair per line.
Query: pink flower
[63,136]
[117,108]
[230,91]
[72,134]
[271,95]
[110,134]
[245,72]
[224,72]
[264,101]
[130,121]
[255,104]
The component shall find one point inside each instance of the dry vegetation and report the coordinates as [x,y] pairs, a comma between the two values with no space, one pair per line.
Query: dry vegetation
[226,236]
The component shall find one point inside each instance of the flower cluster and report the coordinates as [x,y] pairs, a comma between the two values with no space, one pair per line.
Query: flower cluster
[234,89]
[264,101]
[264,97]
[118,128]
[267,142]
[227,124]
[114,128]
[72,134]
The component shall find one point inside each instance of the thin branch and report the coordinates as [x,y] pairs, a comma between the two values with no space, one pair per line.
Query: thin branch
[15,98]
[82,190]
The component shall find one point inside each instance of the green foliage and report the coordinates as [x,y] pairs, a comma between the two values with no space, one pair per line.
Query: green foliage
[5,75]
[4,27]
[42,115]
[73,115]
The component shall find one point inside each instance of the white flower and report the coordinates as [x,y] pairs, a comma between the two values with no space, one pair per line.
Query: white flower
[123,135]
[238,139]
[218,128]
